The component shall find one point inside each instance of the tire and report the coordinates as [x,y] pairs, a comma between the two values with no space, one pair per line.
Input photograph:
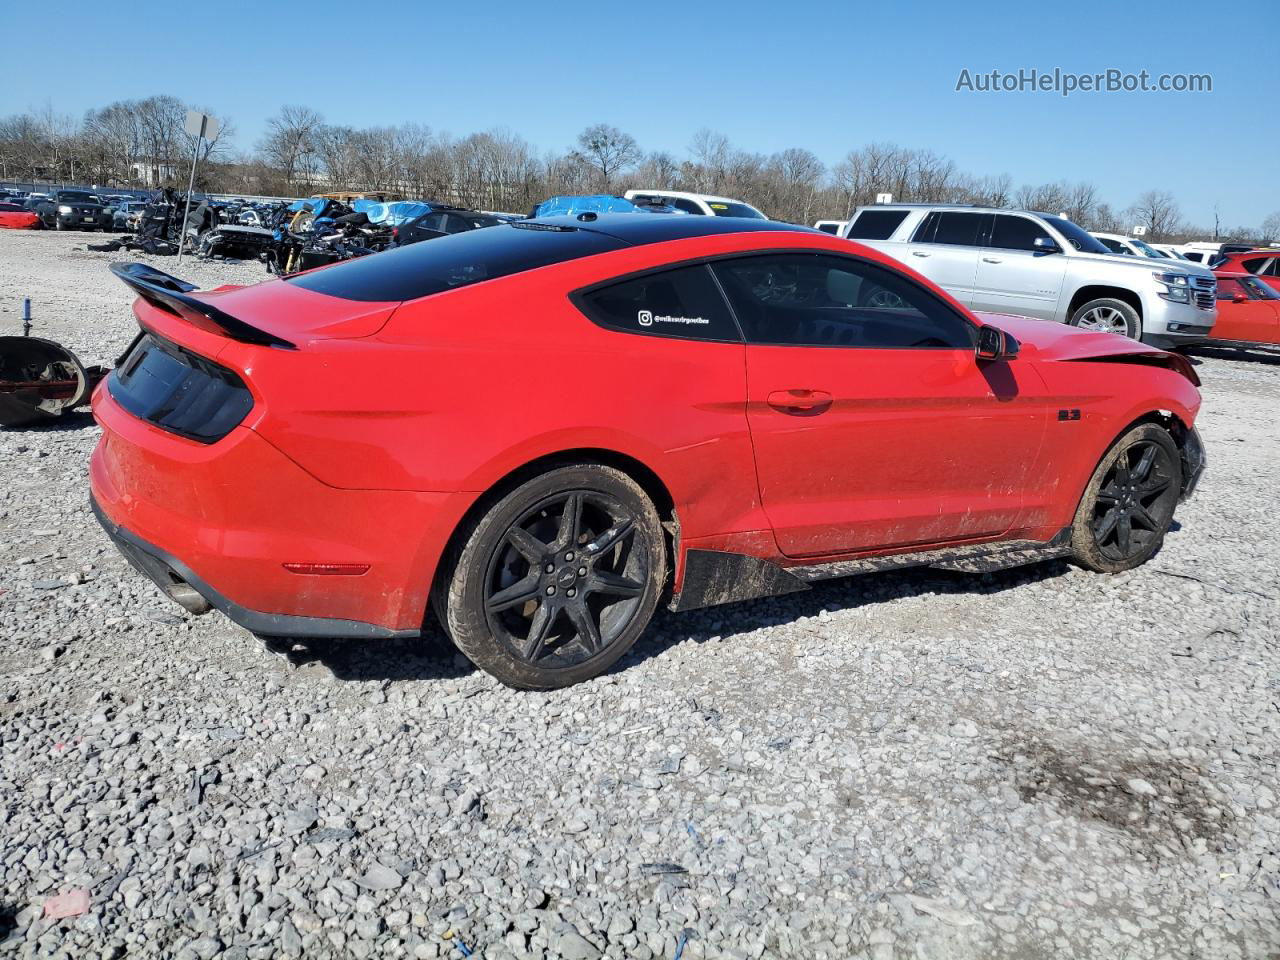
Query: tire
[57,224]
[540,602]
[1108,315]
[1128,505]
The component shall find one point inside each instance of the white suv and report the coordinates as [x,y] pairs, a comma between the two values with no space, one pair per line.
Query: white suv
[1042,266]
[698,203]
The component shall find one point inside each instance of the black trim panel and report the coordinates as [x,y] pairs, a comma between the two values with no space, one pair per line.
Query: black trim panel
[712,576]
[157,564]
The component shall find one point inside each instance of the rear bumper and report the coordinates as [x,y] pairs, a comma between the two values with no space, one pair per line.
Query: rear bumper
[178,582]
[224,518]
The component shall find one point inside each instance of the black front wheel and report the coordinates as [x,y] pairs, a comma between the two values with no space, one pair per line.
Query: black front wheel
[557,579]
[1128,506]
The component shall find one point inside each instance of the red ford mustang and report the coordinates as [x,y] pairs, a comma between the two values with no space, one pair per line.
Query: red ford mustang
[543,430]
[1248,311]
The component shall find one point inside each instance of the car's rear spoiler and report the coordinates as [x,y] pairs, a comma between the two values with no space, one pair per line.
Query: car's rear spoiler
[170,294]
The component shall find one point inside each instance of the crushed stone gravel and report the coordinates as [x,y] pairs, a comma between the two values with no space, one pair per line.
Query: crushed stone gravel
[1039,763]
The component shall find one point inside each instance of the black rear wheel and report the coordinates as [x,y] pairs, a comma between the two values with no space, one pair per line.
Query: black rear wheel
[558,578]
[1128,506]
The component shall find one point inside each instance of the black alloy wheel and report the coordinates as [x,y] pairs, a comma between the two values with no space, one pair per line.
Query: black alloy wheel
[557,579]
[567,580]
[1135,502]
[1128,506]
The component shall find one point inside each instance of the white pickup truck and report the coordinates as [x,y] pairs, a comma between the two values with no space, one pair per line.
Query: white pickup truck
[1042,266]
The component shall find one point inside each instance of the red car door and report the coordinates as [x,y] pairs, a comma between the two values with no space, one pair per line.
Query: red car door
[1247,310]
[872,422]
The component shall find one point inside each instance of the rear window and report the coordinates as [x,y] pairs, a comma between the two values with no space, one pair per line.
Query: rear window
[722,209]
[457,260]
[876,224]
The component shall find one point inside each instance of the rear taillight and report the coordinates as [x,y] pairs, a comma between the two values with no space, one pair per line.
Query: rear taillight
[179,391]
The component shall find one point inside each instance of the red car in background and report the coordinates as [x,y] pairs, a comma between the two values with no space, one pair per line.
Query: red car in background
[1248,311]
[543,430]
[14,217]
[1264,263]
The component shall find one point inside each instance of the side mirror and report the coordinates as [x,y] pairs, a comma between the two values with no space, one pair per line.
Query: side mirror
[1045,245]
[995,344]
[1238,298]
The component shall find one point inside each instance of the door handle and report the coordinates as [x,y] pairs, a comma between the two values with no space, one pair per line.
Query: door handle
[918,253]
[992,260]
[800,402]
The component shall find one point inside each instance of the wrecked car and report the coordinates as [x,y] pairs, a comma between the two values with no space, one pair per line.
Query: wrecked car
[40,380]
[347,451]
[440,221]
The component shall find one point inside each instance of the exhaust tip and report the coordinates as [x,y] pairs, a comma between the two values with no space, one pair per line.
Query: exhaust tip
[186,597]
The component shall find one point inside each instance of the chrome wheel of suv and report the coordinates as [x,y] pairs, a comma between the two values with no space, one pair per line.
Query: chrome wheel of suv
[1108,315]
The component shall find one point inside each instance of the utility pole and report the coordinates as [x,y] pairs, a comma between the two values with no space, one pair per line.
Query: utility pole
[200,126]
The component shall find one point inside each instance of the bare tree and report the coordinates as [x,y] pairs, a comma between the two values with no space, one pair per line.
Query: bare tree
[1158,211]
[1269,232]
[608,150]
[290,145]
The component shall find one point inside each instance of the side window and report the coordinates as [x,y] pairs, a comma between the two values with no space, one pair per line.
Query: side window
[1254,266]
[683,303]
[815,300]
[925,232]
[1113,245]
[829,227]
[432,221]
[457,224]
[1228,288]
[959,229]
[876,224]
[688,206]
[1017,233]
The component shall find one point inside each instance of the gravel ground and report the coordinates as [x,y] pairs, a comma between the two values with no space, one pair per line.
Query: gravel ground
[1041,763]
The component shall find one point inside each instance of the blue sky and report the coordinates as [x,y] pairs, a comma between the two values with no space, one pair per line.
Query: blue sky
[826,76]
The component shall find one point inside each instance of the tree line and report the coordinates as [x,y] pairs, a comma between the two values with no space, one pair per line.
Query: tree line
[132,143]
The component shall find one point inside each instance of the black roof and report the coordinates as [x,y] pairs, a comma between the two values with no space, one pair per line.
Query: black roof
[641,228]
[461,259]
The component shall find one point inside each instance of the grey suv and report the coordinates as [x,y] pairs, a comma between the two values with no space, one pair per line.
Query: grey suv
[1042,266]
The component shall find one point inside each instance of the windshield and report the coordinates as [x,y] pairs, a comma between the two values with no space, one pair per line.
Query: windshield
[76,196]
[722,209]
[1148,250]
[1078,238]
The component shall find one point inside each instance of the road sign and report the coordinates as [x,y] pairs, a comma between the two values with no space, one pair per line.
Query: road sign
[202,125]
[884,198]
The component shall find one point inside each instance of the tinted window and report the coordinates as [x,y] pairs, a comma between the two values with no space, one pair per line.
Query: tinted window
[1259,289]
[74,196]
[876,224]
[960,229]
[422,269]
[688,206]
[682,303]
[829,227]
[1253,266]
[722,209]
[824,301]
[1113,245]
[1016,233]
[1228,288]
[1076,236]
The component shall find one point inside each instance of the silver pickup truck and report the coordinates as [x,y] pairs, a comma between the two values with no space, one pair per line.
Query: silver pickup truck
[1042,266]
